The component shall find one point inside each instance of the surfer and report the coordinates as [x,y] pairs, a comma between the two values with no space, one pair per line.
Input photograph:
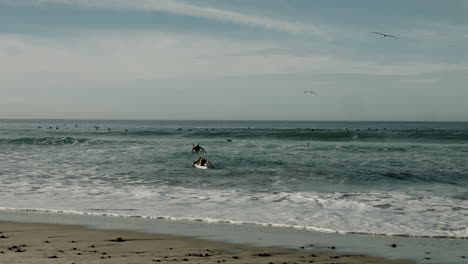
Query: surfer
[201,161]
[196,148]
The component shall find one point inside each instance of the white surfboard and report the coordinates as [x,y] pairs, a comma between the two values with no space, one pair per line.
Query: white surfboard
[200,167]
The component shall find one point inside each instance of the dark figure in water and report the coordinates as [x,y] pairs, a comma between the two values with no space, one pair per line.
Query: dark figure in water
[196,148]
[201,161]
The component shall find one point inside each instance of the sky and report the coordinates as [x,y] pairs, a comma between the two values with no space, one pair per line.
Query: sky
[234,59]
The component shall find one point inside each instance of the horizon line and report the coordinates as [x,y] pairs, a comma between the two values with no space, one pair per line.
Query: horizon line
[235,120]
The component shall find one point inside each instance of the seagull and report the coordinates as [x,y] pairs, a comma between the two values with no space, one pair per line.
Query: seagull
[384,35]
[312,92]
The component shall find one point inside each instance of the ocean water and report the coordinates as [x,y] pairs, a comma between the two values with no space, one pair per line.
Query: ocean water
[385,178]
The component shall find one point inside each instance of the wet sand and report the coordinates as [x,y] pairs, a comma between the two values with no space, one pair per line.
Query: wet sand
[67,244]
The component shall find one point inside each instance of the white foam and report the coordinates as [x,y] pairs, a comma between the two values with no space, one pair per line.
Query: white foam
[383,213]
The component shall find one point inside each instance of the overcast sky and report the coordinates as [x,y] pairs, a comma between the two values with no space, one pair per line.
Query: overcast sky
[234,59]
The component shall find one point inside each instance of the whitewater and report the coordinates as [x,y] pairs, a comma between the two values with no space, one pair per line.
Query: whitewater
[379,178]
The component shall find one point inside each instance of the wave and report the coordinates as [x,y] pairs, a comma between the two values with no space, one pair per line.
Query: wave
[224,221]
[56,141]
[316,134]
[299,134]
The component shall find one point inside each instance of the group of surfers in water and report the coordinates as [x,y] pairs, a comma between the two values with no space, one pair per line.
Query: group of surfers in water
[201,161]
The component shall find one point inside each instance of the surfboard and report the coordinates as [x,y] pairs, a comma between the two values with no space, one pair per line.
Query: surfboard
[200,167]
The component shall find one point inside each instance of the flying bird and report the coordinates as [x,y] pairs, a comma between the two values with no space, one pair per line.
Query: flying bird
[312,92]
[384,35]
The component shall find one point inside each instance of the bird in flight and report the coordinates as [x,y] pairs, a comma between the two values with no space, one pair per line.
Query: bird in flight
[312,92]
[384,35]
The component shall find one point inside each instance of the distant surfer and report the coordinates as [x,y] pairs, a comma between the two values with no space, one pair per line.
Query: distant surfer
[202,162]
[197,148]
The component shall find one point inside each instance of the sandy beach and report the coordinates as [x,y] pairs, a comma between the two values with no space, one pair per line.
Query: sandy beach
[46,243]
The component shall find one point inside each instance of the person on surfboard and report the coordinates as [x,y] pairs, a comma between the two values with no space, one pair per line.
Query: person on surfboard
[201,161]
[197,148]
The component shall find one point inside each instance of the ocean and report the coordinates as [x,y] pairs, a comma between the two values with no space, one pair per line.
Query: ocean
[405,179]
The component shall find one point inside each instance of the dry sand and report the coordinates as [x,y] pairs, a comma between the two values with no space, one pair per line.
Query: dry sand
[66,244]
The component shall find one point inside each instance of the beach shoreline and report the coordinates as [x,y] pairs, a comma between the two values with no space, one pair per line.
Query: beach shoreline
[57,243]
[383,249]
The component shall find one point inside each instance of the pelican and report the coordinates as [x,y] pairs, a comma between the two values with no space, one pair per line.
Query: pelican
[312,92]
[384,35]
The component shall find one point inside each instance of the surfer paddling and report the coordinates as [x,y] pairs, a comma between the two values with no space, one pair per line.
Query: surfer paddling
[197,148]
[202,163]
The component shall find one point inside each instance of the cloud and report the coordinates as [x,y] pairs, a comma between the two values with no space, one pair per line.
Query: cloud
[187,9]
[128,56]
[436,31]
